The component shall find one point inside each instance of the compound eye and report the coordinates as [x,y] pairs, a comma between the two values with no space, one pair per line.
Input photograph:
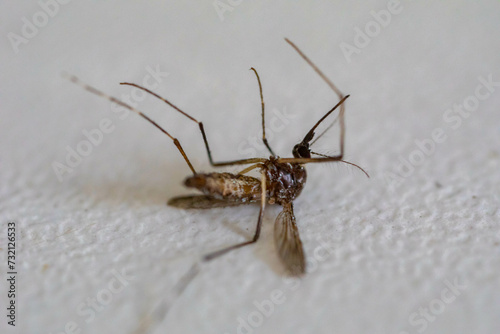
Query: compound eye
[301,151]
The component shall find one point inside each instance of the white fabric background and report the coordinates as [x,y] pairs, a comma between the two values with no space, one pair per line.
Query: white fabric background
[394,247]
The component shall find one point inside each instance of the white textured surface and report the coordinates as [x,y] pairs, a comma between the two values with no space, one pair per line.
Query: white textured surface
[393,248]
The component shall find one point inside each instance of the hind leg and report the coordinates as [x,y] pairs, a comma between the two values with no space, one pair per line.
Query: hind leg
[216,254]
[123,104]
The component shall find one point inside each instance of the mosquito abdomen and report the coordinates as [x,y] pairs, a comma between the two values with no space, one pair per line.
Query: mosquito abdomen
[227,186]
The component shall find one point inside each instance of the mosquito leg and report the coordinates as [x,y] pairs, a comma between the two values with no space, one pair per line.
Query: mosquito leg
[200,125]
[216,254]
[250,168]
[97,92]
[264,139]
[332,86]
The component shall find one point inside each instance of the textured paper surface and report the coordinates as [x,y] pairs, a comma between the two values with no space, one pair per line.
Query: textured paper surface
[422,255]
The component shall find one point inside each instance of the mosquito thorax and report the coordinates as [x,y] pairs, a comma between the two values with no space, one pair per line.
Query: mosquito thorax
[285,181]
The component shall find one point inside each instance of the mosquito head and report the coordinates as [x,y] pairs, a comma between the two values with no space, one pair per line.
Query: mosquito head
[302,150]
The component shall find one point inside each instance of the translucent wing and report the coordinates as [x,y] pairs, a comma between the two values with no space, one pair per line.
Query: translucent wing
[287,240]
[201,202]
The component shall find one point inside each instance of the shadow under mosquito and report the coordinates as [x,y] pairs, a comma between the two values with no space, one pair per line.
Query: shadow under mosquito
[264,249]
[229,219]
[143,192]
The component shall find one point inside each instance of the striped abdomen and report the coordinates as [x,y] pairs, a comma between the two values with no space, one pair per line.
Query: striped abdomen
[227,186]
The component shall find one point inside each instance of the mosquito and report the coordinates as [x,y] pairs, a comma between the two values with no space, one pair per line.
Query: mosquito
[281,179]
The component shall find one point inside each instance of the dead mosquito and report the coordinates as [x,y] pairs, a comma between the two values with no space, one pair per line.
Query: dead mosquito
[281,181]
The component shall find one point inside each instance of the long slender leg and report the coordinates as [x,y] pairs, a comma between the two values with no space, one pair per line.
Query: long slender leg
[115,100]
[213,255]
[250,168]
[264,139]
[200,125]
[316,69]
[340,117]
[334,88]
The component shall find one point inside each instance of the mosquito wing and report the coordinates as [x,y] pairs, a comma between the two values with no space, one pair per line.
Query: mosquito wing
[201,202]
[287,240]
